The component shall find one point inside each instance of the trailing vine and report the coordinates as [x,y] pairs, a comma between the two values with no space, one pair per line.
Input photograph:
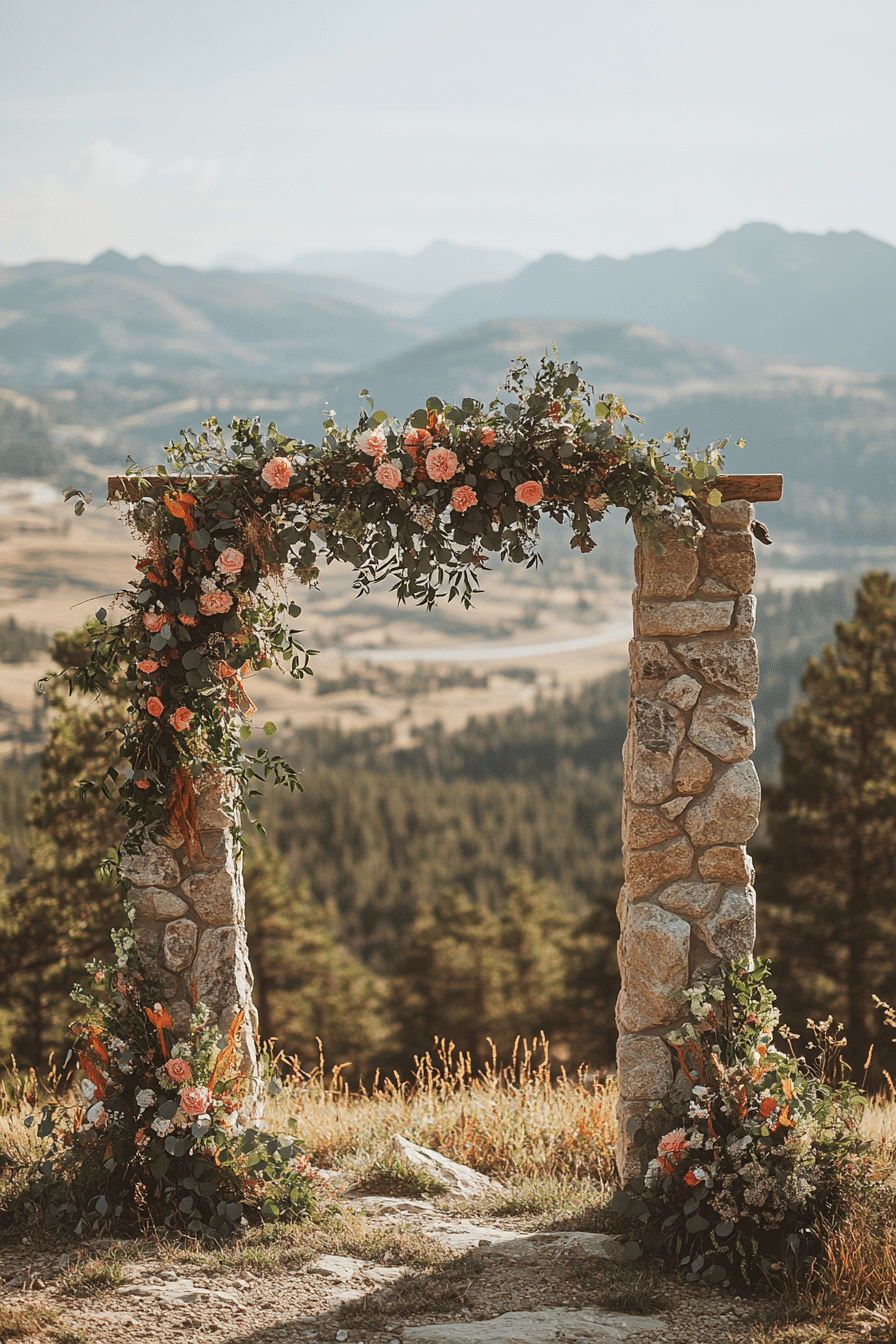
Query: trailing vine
[424,502]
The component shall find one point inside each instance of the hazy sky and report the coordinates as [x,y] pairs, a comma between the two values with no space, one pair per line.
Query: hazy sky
[192,128]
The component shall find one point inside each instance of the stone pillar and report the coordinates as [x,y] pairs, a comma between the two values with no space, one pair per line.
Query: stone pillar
[691,792]
[191,920]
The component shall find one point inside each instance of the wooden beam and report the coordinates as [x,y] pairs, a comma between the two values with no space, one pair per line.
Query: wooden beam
[755,488]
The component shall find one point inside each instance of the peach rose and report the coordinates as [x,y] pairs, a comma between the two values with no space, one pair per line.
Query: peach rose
[178,1070]
[463,498]
[153,621]
[195,1100]
[486,437]
[372,442]
[187,620]
[148,665]
[154,706]
[230,561]
[215,604]
[441,464]
[530,492]
[388,476]
[673,1145]
[277,473]
[181,719]
[418,438]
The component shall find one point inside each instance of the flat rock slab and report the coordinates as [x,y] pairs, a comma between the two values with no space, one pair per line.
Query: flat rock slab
[460,1181]
[544,1246]
[555,1325]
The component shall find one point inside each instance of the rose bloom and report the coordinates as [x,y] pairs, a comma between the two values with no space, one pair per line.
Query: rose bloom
[178,1070]
[230,561]
[372,442]
[153,621]
[187,620]
[181,718]
[194,1100]
[463,498]
[214,604]
[672,1145]
[142,783]
[147,665]
[530,492]
[277,473]
[388,476]
[418,438]
[441,464]
[486,437]
[154,706]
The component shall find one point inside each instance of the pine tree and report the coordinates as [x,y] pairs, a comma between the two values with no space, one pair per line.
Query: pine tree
[307,985]
[828,876]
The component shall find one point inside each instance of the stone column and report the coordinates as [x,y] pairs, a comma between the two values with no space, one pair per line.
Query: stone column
[691,792]
[191,921]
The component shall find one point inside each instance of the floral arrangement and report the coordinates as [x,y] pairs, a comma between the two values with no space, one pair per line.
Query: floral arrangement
[424,501]
[751,1145]
[163,1129]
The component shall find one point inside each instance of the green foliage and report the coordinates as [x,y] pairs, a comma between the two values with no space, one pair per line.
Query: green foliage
[752,1146]
[829,873]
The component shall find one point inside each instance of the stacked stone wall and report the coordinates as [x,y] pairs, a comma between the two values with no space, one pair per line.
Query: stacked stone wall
[691,792]
[191,920]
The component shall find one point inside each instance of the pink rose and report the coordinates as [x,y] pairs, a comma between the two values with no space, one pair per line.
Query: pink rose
[388,476]
[277,473]
[148,665]
[195,1100]
[463,498]
[486,437]
[418,438]
[372,442]
[530,492]
[230,561]
[154,706]
[180,719]
[441,464]
[215,604]
[178,1070]
[153,621]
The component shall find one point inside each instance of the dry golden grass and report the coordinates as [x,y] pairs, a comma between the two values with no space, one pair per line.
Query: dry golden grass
[515,1122]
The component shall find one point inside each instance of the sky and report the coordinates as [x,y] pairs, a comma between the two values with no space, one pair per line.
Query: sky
[191,130]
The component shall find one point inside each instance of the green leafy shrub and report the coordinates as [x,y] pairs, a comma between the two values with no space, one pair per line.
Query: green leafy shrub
[753,1149]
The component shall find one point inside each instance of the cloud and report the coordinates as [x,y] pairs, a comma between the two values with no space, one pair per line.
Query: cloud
[102,166]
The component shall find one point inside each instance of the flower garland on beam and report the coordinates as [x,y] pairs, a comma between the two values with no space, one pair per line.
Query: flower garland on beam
[425,502]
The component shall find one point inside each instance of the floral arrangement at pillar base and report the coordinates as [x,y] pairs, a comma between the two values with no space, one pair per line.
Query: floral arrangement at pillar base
[162,1132]
[752,1148]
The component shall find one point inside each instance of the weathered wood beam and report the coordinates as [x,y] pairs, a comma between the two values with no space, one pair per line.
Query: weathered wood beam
[757,489]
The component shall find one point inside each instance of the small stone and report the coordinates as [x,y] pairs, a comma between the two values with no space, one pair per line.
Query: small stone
[221,972]
[673,573]
[655,734]
[683,618]
[744,615]
[731,663]
[647,869]
[648,826]
[731,931]
[711,587]
[726,863]
[729,814]
[724,725]
[731,557]
[694,772]
[651,660]
[674,807]
[154,866]
[180,1012]
[682,691]
[216,897]
[149,938]
[694,900]
[735,514]
[644,1067]
[158,903]
[179,944]
[654,950]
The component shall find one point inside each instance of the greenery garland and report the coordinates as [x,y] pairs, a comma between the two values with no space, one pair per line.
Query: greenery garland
[424,502]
